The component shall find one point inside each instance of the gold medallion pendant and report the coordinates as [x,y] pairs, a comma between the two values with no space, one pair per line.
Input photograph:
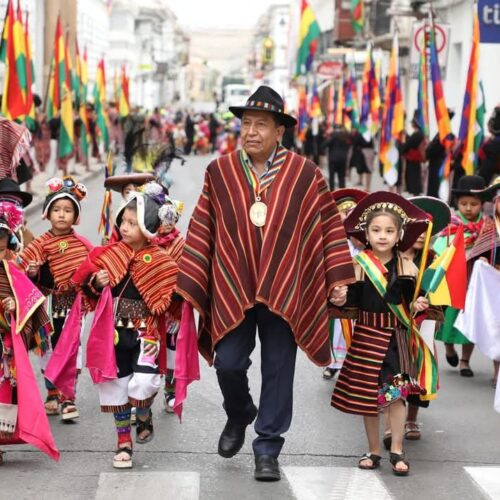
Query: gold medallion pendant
[258,213]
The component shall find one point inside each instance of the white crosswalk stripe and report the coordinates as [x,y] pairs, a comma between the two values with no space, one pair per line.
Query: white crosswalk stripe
[148,485]
[487,478]
[335,483]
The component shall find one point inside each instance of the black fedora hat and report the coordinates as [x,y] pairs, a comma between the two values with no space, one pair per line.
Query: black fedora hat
[10,189]
[265,99]
[472,185]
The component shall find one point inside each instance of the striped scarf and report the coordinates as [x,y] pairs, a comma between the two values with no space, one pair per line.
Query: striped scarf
[291,264]
[472,229]
[266,180]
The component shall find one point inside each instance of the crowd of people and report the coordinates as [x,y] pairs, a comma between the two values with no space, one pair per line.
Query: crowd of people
[271,248]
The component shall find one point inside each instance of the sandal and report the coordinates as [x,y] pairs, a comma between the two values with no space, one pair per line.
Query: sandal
[452,360]
[52,405]
[123,464]
[69,411]
[387,440]
[329,373]
[396,458]
[466,372]
[144,425]
[412,431]
[375,459]
[169,402]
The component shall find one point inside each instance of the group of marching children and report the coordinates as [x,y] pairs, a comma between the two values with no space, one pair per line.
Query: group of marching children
[47,289]
[383,336]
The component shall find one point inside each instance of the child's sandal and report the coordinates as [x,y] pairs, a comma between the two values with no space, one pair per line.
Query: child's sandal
[396,458]
[412,431]
[144,425]
[375,459]
[123,464]
[69,411]
[52,405]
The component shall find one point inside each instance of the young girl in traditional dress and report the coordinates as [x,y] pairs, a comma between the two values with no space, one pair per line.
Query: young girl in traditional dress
[379,371]
[132,282]
[24,324]
[470,195]
[50,261]
[439,213]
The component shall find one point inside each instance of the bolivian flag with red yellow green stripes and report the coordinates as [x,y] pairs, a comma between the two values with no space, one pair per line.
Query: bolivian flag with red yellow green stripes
[445,280]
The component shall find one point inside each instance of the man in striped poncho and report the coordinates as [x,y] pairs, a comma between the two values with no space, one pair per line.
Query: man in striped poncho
[266,248]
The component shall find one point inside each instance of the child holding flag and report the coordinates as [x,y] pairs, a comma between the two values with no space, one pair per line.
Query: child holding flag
[50,261]
[380,369]
[470,195]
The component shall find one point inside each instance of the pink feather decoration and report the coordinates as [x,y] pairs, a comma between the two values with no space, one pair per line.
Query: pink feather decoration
[12,214]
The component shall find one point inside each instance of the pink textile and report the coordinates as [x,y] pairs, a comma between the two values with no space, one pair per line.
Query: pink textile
[32,422]
[187,366]
[25,293]
[101,358]
[163,239]
[62,369]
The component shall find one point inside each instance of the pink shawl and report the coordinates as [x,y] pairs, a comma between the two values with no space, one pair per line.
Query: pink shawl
[187,367]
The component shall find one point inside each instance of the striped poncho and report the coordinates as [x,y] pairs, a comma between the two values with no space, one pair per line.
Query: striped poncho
[291,264]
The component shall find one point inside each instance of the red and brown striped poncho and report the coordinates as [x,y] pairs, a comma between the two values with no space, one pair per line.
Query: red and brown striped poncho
[152,270]
[63,253]
[291,264]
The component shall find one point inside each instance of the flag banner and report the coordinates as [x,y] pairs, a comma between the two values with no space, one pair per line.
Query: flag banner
[480,319]
[309,32]
[392,120]
[467,132]
[445,280]
[357,15]
[12,53]
[370,100]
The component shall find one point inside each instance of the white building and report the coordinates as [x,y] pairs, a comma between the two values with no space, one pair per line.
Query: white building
[459,15]
[146,39]
[92,27]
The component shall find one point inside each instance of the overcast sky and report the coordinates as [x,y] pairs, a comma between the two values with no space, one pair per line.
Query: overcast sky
[196,14]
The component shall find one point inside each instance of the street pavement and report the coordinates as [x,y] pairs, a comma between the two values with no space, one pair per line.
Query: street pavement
[457,457]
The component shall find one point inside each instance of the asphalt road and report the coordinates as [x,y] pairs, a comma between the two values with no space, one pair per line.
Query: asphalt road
[460,442]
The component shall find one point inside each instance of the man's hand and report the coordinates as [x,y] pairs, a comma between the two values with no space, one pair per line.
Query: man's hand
[339,296]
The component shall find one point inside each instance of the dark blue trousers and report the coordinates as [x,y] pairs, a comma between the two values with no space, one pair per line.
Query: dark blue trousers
[278,353]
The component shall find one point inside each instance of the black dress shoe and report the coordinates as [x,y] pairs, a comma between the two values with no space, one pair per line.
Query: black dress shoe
[267,468]
[232,437]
